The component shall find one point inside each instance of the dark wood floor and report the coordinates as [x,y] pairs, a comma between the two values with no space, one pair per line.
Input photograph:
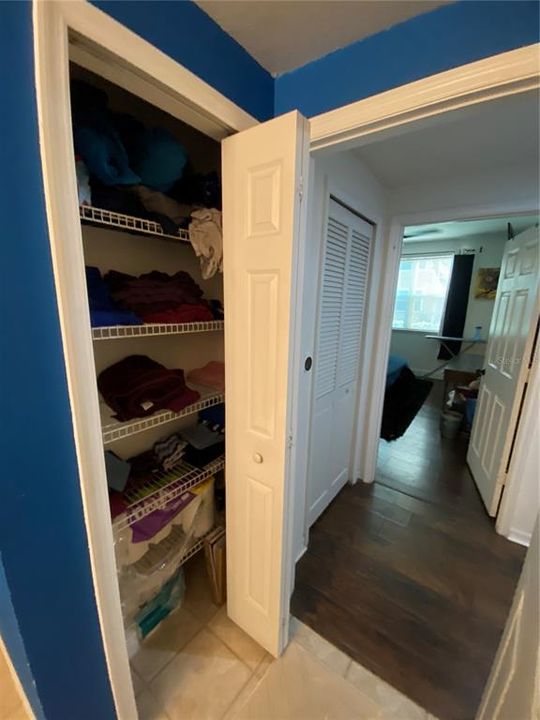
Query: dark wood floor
[408,575]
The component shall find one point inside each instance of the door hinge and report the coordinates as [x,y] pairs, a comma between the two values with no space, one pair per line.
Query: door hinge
[289,442]
[301,188]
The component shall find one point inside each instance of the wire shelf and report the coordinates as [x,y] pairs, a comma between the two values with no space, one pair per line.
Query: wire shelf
[118,430]
[164,487]
[128,223]
[117,332]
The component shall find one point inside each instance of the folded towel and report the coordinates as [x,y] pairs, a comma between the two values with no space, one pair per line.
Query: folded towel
[212,375]
[138,386]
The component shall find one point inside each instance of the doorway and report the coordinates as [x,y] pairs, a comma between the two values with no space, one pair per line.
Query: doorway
[407,574]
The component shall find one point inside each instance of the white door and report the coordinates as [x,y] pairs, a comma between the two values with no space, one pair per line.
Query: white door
[262,178]
[342,297]
[512,691]
[511,337]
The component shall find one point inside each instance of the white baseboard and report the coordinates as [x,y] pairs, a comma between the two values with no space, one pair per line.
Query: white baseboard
[520,537]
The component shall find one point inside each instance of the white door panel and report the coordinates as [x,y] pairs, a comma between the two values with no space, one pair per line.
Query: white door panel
[511,338]
[262,169]
[343,411]
[340,317]
[512,690]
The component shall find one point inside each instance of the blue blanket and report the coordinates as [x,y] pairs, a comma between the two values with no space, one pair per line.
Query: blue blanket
[393,371]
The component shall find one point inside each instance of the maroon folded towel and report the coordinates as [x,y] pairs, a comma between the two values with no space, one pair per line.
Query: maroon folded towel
[138,386]
[153,289]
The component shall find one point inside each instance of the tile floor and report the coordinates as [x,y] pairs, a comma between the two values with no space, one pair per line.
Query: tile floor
[199,665]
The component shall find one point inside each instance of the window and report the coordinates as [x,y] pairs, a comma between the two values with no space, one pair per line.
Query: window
[421,292]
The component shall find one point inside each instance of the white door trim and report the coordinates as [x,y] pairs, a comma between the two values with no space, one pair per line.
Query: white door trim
[105,46]
[388,112]
[188,98]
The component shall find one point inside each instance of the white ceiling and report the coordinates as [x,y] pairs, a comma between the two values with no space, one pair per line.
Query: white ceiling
[454,231]
[285,34]
[481,139]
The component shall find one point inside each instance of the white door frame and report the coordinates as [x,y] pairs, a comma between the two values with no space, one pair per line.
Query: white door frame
[332,189]
[390,112]
[107,47]
[398,111]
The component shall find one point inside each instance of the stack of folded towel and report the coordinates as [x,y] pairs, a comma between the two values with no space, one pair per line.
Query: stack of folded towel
[138,386]
[156,297]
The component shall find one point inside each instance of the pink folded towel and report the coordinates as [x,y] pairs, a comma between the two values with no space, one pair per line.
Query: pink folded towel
[211,375]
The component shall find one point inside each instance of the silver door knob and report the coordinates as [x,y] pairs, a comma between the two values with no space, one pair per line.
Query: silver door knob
[258,458]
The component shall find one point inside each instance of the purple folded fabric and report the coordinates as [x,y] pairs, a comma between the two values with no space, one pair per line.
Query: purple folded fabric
[138,386]
[145,529]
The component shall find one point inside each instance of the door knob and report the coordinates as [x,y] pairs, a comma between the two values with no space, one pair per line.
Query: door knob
[258,458]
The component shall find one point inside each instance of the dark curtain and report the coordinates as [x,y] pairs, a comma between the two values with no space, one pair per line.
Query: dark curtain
[456,303]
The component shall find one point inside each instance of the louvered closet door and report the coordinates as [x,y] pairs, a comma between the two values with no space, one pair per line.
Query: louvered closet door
[342,297]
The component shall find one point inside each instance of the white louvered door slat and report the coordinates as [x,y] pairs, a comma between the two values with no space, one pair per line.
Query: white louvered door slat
[342,296]
[333,276]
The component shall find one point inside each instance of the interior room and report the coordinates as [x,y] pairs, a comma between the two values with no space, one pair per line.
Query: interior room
[153,255]
[409,570]
[211,261]
[447,284]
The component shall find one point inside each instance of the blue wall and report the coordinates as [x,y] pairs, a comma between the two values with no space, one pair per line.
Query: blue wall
[42,533]
[11,635]
[183,31]
[425,45]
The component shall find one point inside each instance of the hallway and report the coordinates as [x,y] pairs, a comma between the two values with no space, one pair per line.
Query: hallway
[408,576]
